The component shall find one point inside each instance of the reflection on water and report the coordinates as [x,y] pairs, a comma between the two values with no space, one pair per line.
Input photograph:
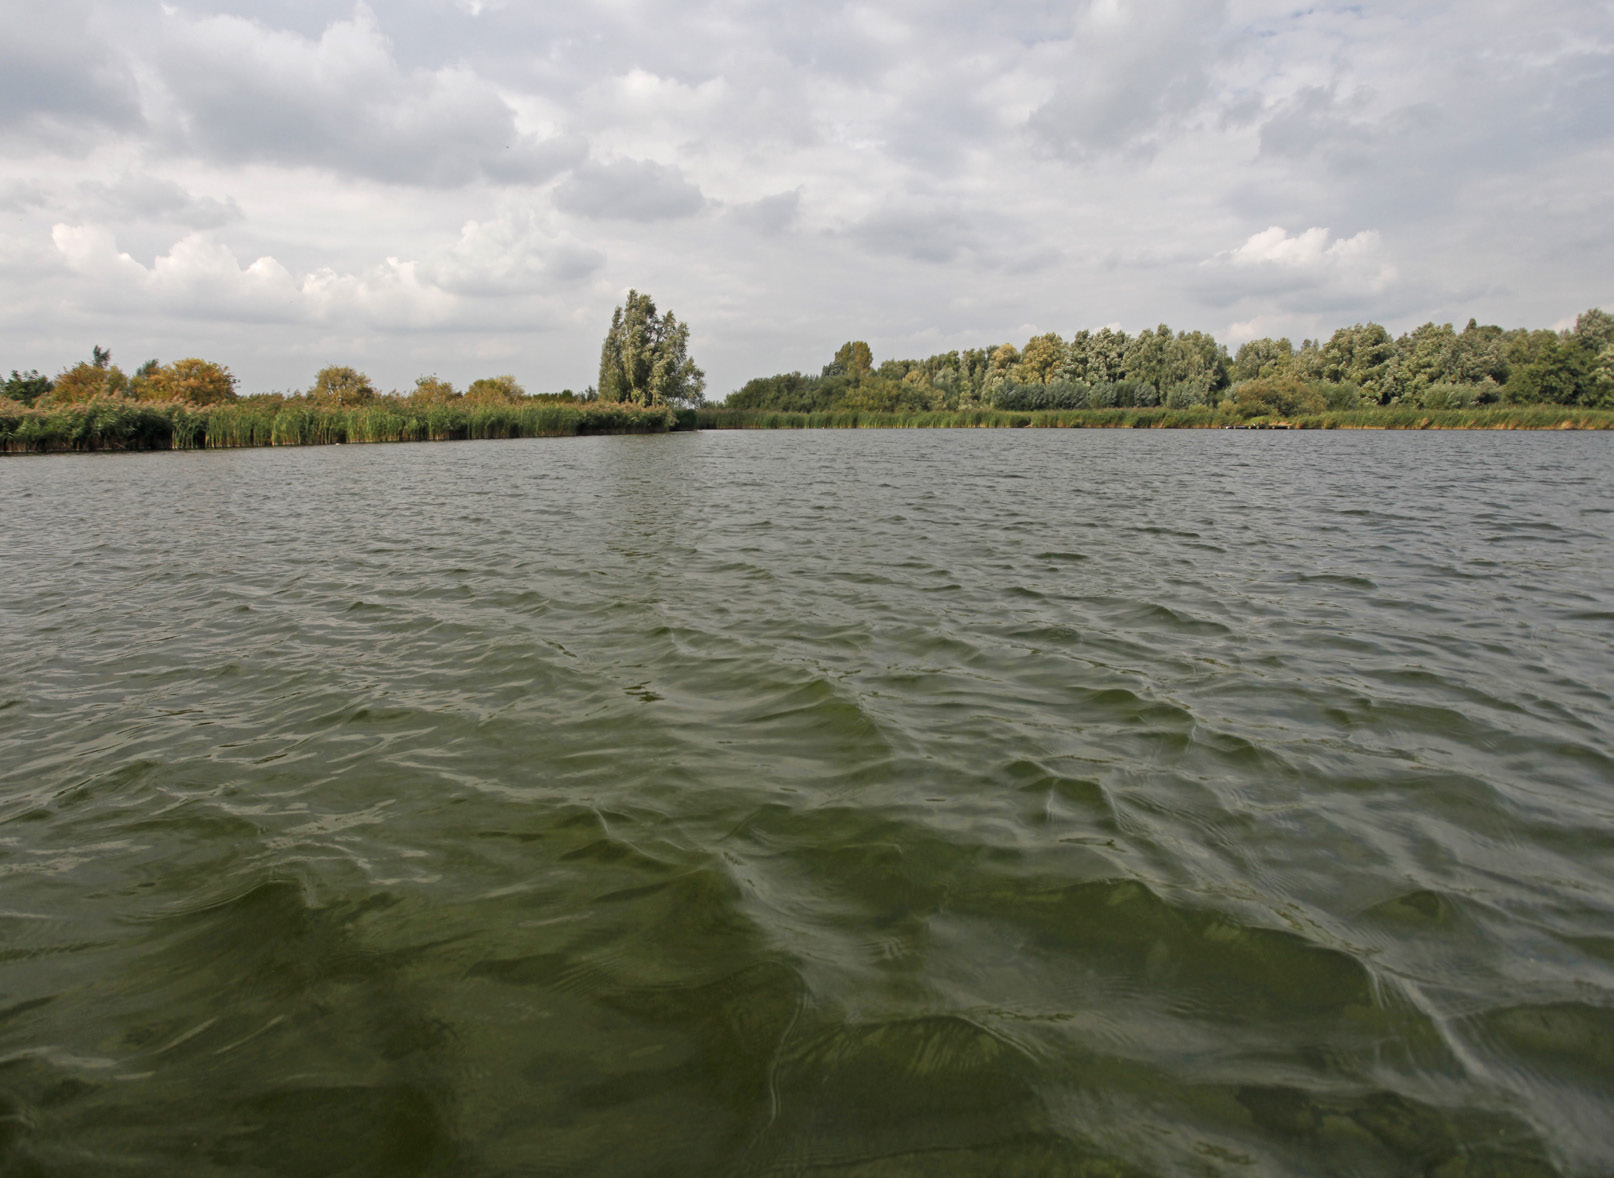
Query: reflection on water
[856,803]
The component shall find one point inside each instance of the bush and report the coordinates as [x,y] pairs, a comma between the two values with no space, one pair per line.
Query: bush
[1277,396]
[1124,394]
[1056,394]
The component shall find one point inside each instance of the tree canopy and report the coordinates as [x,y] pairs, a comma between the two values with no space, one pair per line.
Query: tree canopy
[1433,366]
[645,360]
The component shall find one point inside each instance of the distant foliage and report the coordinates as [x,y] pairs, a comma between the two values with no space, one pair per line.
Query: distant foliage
[433,390]
[494,390]
[198,382]
[26,387]
[1433,366]
[645,357]
[339,385]
[1278,396]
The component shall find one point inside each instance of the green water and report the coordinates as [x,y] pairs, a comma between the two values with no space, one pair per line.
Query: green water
[846,803]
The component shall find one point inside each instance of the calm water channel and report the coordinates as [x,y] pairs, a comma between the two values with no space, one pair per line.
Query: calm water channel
[833,803]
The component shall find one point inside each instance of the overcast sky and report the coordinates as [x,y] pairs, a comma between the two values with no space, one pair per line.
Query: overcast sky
[468,187]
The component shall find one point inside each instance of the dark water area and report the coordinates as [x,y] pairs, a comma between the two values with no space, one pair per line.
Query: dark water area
[845,803]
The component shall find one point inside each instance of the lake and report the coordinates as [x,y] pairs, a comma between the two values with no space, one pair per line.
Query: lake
[845,803]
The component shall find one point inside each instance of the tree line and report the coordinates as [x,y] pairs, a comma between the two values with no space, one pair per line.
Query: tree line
[202,382]
[644,361]
[1363,366]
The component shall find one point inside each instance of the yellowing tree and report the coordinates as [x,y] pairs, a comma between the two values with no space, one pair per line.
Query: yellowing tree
[495,390]
[199,382]
[1041,360]
[341,385]
[98,377]
[434,390]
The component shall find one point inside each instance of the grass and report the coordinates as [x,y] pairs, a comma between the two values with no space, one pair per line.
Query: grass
[1392,417]
[116,424]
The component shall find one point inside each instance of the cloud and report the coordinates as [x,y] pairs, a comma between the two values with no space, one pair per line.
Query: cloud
[769,215]
[62,83]
[937,235]
[153,198]
[629,190]
[1301,283]
[1138,72]
[203,279]
[238,91]
[513,253]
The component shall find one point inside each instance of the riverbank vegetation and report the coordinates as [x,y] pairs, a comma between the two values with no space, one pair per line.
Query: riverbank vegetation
[193,404]
[116,423]
[1432,378]
[1361,368]
[1160,417]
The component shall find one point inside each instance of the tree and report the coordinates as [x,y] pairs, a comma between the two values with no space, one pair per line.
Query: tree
[200,382]
[1042,359]
[495,390]
[97,377]
[1358,355]
[645,357]
[340,385]
[853,358]
[1264,357]
[26,387]
[434,390]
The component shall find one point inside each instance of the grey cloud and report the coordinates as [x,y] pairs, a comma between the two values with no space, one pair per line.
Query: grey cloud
[936,235]
[1137,72]
[342,102]
[61,82]
[151,198]
[770,214]
[629,190]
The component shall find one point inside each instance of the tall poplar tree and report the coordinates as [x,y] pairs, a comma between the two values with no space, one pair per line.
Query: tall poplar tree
[645,360]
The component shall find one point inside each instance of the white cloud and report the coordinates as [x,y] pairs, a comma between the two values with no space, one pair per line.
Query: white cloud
[237,90]
[204,279]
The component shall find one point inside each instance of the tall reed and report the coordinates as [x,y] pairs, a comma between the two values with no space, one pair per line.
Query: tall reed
[112,423]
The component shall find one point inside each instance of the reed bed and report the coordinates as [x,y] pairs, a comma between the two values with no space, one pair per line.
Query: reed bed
[1532,417]
[117,424]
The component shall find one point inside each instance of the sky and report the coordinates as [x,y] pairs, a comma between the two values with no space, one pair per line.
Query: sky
[468,187]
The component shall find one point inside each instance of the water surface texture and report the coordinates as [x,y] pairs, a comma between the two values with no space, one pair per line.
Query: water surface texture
[845,803]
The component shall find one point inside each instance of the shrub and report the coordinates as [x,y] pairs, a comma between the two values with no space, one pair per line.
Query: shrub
[1277,396]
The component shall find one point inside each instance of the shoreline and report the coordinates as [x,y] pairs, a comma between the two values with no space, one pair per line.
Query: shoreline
[110,425]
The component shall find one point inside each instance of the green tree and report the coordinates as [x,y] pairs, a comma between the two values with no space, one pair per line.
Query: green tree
[1358,355]
[645,357]
[27,387]
[1264,357]
[853,358]
[340,385]
[1561,373]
